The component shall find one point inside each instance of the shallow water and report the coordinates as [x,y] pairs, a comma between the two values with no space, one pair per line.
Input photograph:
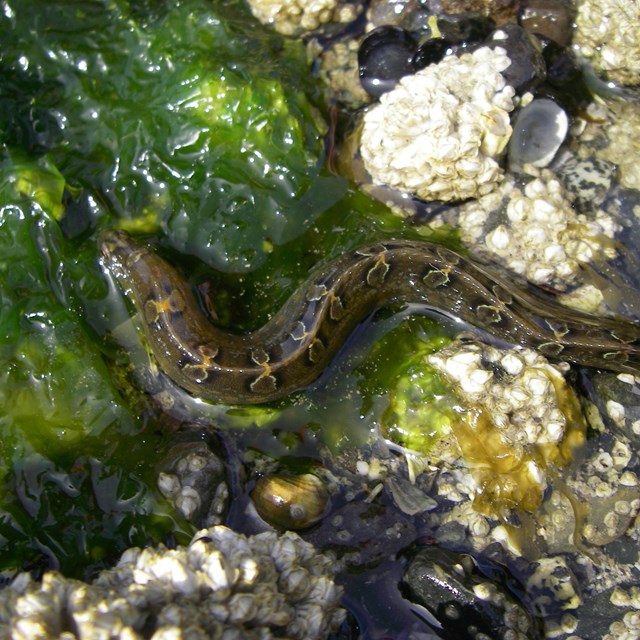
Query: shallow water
[200,130]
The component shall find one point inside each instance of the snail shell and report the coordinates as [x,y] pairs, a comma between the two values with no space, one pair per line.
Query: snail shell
[290,502]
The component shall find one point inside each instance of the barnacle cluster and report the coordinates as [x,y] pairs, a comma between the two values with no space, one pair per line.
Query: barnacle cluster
[192,479]
[629,625]
[623,134]
[530,226]
[297,17]
[495,420]
[339,72]
[440,132]
[608,32]
[525,418]
[223,585]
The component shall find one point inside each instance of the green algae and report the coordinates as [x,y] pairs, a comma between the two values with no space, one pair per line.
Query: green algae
[199,128]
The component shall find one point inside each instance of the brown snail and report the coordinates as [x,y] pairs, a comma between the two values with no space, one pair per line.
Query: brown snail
[290,502]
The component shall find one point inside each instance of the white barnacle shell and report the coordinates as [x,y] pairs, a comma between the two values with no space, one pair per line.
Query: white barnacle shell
[169,484]
[242,607]
[496,132]
[188,501]
[295,582]
[309,622]
[219,575]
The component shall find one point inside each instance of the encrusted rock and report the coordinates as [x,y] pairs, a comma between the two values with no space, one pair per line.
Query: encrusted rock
[521,416]
[531,227]
[608,32]
[517,386]
[298,17]
[623,146]
[629,625]
[552,586]
[440,132]
[223,585]
[339,72]
[192,478]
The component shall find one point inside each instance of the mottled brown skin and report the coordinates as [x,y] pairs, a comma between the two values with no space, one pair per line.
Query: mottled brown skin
[301,339]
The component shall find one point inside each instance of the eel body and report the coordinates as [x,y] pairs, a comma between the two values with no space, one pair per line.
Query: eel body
[293,348]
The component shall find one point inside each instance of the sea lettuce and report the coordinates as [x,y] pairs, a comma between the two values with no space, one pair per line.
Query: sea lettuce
[191,123]
[73,492]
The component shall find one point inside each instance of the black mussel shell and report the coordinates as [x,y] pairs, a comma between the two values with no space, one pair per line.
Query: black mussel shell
[385,56]
[431,52]
[527,69]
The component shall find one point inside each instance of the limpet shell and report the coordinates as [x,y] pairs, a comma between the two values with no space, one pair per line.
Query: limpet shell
[290,502]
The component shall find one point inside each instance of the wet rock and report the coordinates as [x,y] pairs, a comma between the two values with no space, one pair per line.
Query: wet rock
[364,534]
[390,12]
[501,11]
[464,29]
[464,601]
[549,18]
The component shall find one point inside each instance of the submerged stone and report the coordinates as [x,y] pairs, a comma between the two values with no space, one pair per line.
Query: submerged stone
[465,602]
